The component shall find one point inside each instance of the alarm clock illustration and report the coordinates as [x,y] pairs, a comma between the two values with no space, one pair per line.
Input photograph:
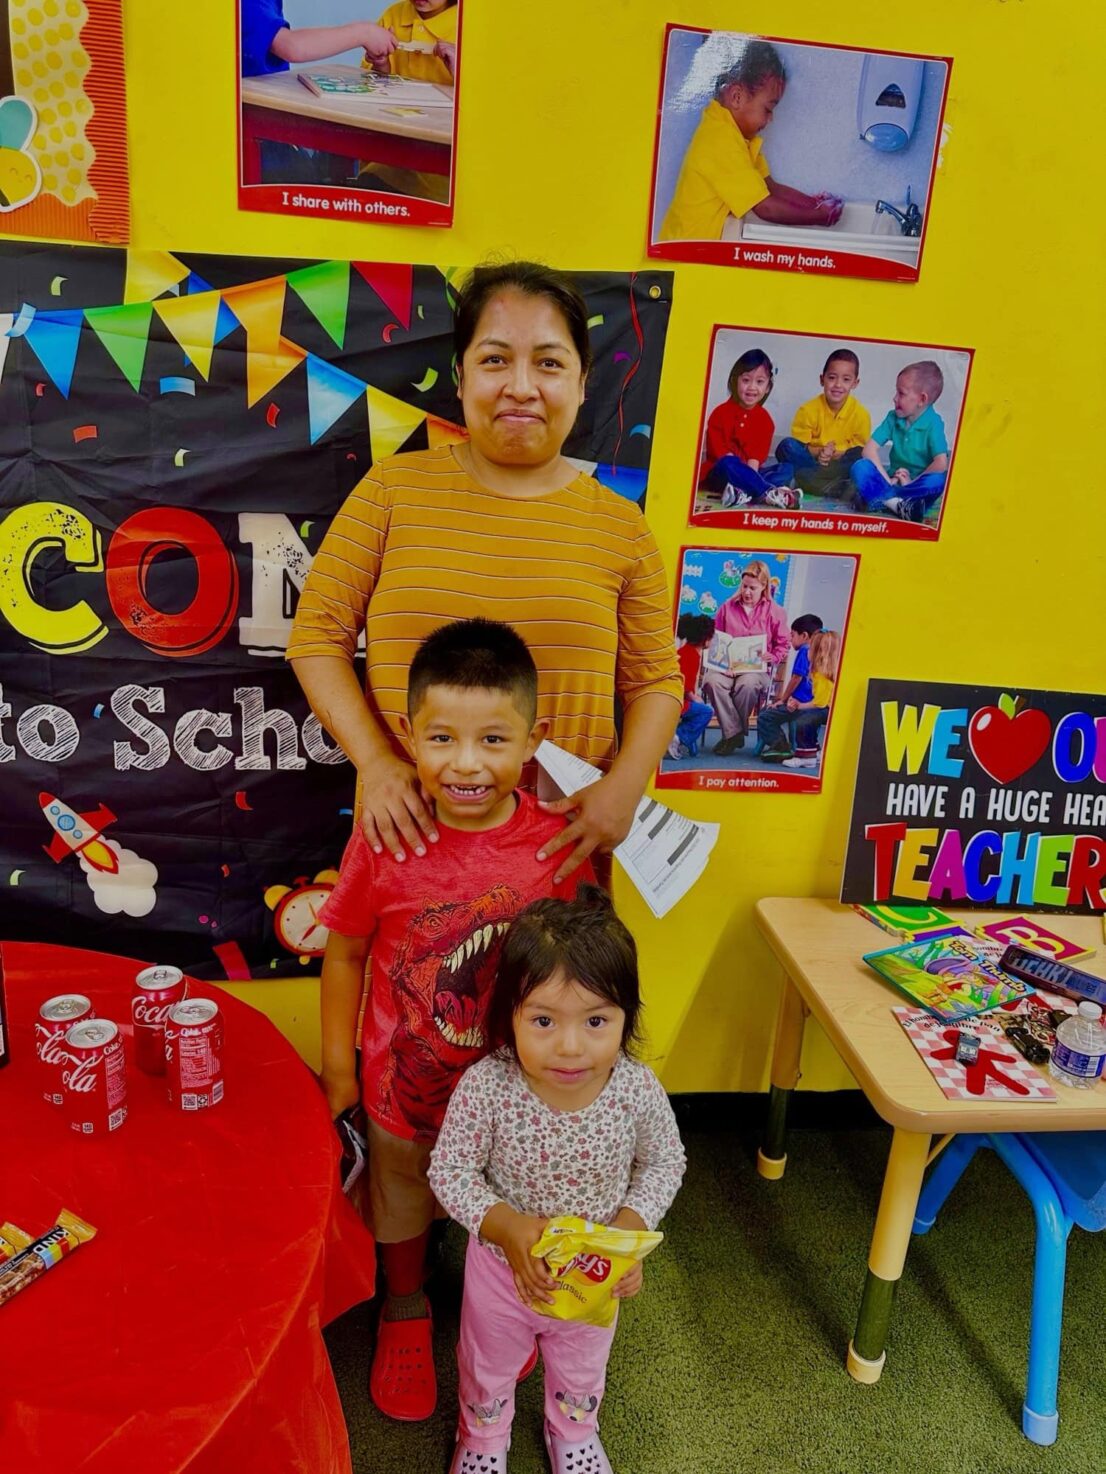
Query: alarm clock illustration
[296,910]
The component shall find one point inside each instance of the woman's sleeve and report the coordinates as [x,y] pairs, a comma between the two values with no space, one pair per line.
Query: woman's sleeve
[458,1163]
[646,659]
[778,642]
[337,590]
[659,1158]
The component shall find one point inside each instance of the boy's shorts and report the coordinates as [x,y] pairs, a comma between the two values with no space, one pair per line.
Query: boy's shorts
[397,1202]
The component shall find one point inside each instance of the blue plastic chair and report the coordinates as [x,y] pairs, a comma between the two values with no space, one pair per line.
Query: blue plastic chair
[1064,1173]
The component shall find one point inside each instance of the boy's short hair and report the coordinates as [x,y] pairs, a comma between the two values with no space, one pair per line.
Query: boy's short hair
[475,654]
[759,63]
[806,624]
[928,377]
[842,355]
[695,628]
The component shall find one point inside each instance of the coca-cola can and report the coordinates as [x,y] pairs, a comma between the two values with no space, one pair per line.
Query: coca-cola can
[55,1018]
[95,1077]
[156,989]
[194,1054]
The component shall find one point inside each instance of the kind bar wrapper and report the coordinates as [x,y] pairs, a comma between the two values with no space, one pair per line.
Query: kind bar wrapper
[68,1234]
[587,1260]
[13,1241]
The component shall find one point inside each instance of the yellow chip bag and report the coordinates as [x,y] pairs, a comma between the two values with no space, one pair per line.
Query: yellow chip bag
[587,1260]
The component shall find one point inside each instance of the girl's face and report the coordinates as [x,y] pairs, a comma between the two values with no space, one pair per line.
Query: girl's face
[752,108]
[753,386]
[521,381]
[751,590]
[567,1040]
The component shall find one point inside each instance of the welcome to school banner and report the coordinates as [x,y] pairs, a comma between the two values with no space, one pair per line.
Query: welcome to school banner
[976,796]
[176,432]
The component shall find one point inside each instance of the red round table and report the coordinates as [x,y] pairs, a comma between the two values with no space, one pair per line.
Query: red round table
[186,1336]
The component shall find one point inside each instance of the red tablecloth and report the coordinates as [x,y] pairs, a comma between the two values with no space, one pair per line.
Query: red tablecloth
[187,1334]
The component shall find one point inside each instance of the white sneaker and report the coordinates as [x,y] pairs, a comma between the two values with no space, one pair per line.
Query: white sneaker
[789,498]
[674,748]
[800,762]
[732,496]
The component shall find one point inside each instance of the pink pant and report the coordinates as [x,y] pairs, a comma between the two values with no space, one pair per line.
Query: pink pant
[497,1335]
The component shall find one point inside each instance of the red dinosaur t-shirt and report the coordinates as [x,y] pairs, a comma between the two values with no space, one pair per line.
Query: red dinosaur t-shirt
[436,925]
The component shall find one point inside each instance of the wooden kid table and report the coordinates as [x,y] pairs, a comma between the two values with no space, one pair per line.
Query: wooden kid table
[819,944]
[279,109]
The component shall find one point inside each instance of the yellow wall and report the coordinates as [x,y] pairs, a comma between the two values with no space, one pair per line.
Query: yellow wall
[556,139]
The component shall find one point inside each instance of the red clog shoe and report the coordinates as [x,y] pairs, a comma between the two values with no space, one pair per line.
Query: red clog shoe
[402,1382]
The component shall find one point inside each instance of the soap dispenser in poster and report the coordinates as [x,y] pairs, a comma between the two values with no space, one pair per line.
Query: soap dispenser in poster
[887,105]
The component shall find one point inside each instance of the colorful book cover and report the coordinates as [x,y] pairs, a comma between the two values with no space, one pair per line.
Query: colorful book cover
[1027,931]
[997,1073]
[950,977]
[346,82]
[914,923]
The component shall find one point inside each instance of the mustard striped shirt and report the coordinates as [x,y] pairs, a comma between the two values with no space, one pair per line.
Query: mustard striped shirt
[419,543]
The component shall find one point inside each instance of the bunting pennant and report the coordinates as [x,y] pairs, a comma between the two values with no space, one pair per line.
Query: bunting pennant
[444,432]
[259,307]
[391,422]
[264,371]
[151,274]
[324,291]
[225,323]
[392,284]
[330,392]
[192,320]
[124,332]
[195,284]
[6,320]
[54,336]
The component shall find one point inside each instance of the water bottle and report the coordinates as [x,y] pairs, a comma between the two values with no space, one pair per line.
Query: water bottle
[1080,1049]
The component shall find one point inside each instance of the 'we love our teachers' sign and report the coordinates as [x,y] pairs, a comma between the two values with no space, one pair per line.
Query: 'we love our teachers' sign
[976,796]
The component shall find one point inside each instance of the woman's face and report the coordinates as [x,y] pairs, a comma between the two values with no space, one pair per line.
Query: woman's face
[521,381]
[751,590]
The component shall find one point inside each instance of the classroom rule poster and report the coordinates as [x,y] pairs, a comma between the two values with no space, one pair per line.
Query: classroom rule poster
[760,639]
[176,432]
[827,433]
[349,112]
[852,136]
[979,796]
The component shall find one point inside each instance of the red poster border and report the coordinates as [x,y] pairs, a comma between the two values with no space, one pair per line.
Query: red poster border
[733,253]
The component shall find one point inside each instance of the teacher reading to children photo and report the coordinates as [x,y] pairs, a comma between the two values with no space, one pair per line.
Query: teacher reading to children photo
[502,527]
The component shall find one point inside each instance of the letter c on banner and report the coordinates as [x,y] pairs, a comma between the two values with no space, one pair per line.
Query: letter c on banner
[137,543]
[24,534]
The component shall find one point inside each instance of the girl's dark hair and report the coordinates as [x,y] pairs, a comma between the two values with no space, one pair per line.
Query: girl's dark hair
[533,280]
[584,941]
[695,628]
[752,358]
[759,63]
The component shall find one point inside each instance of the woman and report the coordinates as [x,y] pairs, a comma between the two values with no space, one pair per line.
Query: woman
[751,611]
[505,527]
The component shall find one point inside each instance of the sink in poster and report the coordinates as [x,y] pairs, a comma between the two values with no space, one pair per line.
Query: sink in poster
[860,230]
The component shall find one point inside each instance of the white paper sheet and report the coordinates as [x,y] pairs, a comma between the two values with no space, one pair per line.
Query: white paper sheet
[664,854]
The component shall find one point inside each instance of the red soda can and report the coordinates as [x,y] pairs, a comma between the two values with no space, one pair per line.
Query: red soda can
[55,1018]
[156,989]
[194,1054]
[95,1077]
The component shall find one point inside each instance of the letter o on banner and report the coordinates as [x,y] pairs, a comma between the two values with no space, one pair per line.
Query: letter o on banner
[137,543]
[1073,764]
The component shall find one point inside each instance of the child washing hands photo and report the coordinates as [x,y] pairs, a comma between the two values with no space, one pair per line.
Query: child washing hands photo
[560,1120]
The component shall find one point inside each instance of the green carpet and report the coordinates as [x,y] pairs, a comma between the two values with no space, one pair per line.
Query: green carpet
[732,1358]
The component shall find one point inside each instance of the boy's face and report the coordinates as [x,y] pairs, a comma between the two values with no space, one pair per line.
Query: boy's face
[838,382]
[752,109]
[469,747]
[909,399]
[427,8]
[798,640]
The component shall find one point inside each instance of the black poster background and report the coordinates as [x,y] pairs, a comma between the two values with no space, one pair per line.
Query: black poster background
[220,838]
[1079,747]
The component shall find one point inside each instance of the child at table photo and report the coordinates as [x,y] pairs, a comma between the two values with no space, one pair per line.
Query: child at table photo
[739,438]
[560,1120]
[804,714]
[433,926]
[915,479]
[724,171]
[829,432]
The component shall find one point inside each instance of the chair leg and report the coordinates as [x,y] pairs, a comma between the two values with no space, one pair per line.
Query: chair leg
[1039,1415]
[946,1173]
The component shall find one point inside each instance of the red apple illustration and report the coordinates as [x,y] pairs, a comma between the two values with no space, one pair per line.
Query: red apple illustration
[1007,739]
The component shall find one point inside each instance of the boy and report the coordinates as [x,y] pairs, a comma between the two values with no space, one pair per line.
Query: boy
[798,686]
[828,432]
[694,633]
[919,449]
[269,43]
[435,930]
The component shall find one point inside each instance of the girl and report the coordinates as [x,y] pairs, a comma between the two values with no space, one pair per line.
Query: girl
[739,437]
[807,716]
[560,1120]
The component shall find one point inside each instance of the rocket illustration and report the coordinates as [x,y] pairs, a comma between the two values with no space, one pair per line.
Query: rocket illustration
[80,833]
